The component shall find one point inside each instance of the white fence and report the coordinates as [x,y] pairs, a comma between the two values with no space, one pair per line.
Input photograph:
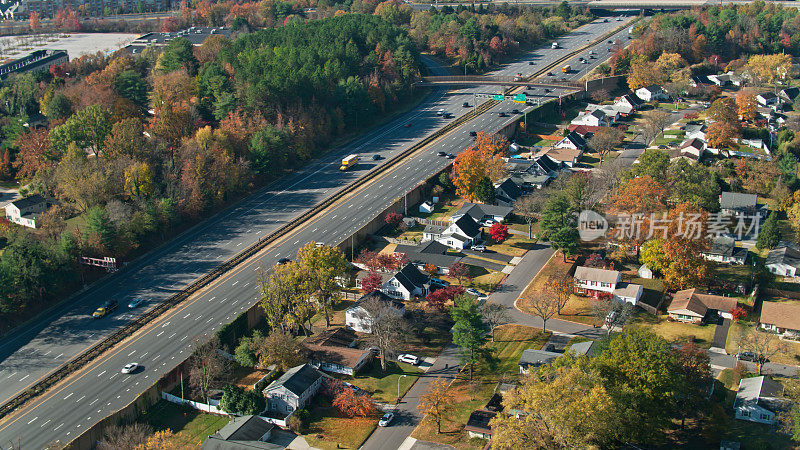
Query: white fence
[214,409]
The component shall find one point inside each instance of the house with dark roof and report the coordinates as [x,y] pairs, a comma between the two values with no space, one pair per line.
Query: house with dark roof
[244,432]
[691,306]
[595,118]
[334,337]
[759,399]
[723,249]
[26,211]
[585,131]
[699,80]
[462,233]
[294,389]
[506,192]
[733,203]
[789,94]
[407,283]
[479,212]
[652,93]
[534,173]
[780,317]
[692,149]
[478,424]
[586,348]
[783,261]
[334,359]
[631,101]
[357,318]
[532,358]
[573,141]
[430,252]
[767,99]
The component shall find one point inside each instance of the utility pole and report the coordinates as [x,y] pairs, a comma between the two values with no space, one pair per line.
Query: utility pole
[181,372]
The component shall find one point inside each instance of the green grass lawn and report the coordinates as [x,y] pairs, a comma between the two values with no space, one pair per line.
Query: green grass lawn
[679,333]
[329,429]
[191,427]
[509,343]
[383,386]
[515,245]
[443,210]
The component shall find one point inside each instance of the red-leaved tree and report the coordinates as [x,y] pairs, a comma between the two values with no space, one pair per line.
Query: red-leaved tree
[459,271]
[393,219]
[737,313]
[353,404]
[499,232]
[371,282]
[439,298]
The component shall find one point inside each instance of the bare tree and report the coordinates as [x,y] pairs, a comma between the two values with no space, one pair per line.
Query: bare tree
[605,140]
[543,305]
[655,122]
[561,289]
[207,368]
[612,313]
[125,437]
[387,325]
[763,345]
[600,95]
[530,207]
[607,176]
[494,315]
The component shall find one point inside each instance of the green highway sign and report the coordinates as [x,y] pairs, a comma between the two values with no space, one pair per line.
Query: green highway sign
[499,97]
[519,98]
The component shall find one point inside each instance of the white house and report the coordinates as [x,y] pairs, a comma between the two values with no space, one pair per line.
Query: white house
[596,118]
[611,111]
[767,99]
[507,192]
[695,131]
[783,261]
[26,211]
[248,431]
[571,141]
[359,319]
[693,148]
[645,272]
[294,389]
[780,317]
[593,282]
[651,93]
[334,359]
[460,234]
[630,101]
[408,283]
[690,306]
[758,400]
[426,207]
[723,250]
[532,358]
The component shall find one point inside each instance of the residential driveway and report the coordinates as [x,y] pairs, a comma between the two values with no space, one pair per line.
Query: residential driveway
[7,196]
[497,267]
[721,334]
[501,257]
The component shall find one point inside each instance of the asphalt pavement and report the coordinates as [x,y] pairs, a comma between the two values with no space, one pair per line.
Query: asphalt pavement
[99,389]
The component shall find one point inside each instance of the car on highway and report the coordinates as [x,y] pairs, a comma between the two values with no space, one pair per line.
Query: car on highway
[441,153]
[531,63]
[130,368]
[515,111]
[548,90]
[605,20]
[502,114]
[465,105]
[619,19]
[451,156]
[585,61]
[473,133]
[104,309]
[376,157]
[408,125]
[549,74]
[610,42]
[283,261]
[386,419]
[408,358]
[479,248]
[440,112]
[591,52]
[135,302]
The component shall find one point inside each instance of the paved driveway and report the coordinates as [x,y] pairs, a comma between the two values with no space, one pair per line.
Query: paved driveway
[497,267]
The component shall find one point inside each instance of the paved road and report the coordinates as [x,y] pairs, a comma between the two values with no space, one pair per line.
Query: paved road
[99,389]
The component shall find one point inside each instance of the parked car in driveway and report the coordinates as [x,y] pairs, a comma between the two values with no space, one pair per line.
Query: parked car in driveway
[451,156]
[746,356]
[130,368]
[386,419]
[488,222]
[479,247]
[408,358]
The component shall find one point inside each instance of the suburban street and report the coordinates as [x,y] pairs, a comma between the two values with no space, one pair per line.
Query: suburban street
[98,389]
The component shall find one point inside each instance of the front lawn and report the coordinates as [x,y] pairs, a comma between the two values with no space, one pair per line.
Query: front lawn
[680,333]
[509,343]
[515,245]
[443,210]
[191,427]
[383,386]
[328,428]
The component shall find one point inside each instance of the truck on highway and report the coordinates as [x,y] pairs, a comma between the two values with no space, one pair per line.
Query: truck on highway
[104,309]
[554,45]
[566,68]
[348,162]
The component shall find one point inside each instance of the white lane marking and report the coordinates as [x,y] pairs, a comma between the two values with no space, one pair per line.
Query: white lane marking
[26,376]
[131,353]
[56,428]
[184,338]
[42,425]
[83,397]
[68,396]
[235,283]
[162,326]
[171,335]
[101,373]
[33,420]
[159,334]
[93,402]
[187,315]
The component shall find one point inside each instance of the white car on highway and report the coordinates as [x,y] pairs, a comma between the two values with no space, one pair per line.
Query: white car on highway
[130,368]
[408,359]
[135,302]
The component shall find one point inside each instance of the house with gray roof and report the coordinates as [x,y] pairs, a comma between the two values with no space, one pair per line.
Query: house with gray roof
[572,140]
[783,261]
[733,203]
[407,283]
[26,211]
[532,358]
[293,390]
[479,212]
[723,249]
[507,192]
[462,232]
[431,252]
[245,432]
[759,399]
[586,348]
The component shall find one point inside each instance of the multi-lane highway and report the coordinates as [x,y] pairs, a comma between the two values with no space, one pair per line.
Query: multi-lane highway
[99,388]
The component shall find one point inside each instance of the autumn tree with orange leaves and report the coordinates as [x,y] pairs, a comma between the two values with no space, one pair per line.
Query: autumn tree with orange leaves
[481,161]
[746,105]
[641,195]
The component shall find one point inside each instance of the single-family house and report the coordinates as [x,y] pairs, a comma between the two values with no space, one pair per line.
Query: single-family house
[767,99]
[357,318]
[733,203]
[460,234]
[530,174]
[695,131]
[571,141]
[596,118]
[720,80]
[652,93]
[759,399]
[532,358]
[430,252]
[612,113]
[780,317]
[692,149]
[507,192]
[723,249]
[408,283]
[628,292]
[585,131]
[26,211]
[478,424]
[242,432]
[426,207]
[631,101]
[294,389]
[481,213]
[690,306]
[783,261]
[586,348]
[789,94]
[565,157]
[335,359]
[757,144]
[699,80]
[645,272]
[593,281]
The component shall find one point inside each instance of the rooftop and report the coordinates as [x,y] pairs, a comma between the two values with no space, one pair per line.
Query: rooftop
[595,274]
[535,358]
[783,255]
[781,314]
[737,200]
[297,379]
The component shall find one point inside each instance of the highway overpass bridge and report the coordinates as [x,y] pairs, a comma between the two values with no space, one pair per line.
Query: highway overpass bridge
[472,80]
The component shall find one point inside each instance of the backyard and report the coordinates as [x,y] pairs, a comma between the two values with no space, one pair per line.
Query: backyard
[190,426]
[328,428]
[384,386]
